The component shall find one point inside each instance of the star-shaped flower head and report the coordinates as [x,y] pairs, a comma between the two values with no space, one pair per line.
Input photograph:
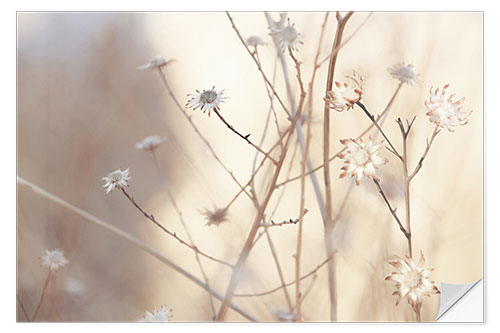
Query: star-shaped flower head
[163,314]
[207,100]
[287,35]
[344,95]
[404,73]
[444,111]
[116,179]
[150,142]
[361,158]
[53,259]
[412,280]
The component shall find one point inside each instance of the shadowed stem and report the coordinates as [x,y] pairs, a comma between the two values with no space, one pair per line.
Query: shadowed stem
[173,234]
[328,222]
[22,307]
[126,236]
[43,295]
[181,218]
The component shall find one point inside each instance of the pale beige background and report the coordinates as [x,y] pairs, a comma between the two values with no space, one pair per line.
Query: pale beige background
[82,106]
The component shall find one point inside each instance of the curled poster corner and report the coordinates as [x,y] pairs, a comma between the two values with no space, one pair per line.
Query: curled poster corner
[461,302]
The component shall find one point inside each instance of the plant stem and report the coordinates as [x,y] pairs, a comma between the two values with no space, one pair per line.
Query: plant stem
[43,295]
[126,236]
[341,23]
[22,307]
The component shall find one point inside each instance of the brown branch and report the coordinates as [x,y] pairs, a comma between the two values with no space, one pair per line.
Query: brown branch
[392,210]
[244,137]
[424,155]
[341,23]
[287,284]
[173,234]
[271,86]
[379,117]
[43,295]
[22,307]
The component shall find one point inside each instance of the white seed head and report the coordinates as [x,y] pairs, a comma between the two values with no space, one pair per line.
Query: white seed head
[53,259]
[116,179]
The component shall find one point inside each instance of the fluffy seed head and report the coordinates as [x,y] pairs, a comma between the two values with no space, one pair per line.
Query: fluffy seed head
[53,259]
[207,100]
[404,73]
[287,35]
[150,142]
[163,314]
[116,179]
[156,63]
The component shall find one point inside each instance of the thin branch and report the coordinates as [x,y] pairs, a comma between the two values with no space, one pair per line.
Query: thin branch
[392,210]
[424,155]
[184,224]
[173,234]
[341,23]
[386,110]
[22,307]
[244,137]
[45,285]
[188,117]
[126,236]
[271,86]
[287,284]
[374,121]
[280,224]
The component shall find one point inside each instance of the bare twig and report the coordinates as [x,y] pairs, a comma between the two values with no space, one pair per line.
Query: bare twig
[341,23]
[287,284]
[126,236]
[173,234]
[424,155]
[45,285]
[244,137]
[385,112]
[183,111]
[181,218]
[282,223]
[22,308]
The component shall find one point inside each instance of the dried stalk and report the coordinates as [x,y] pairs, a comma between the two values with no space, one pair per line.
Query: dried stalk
[341,23]
[126,236]
[22,308]
[45,285]
[173,234]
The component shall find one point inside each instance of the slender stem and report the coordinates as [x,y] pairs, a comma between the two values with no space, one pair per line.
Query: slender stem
[271,86]
[278,268]
[184,113]
[126,236]
[417,315]
[424,155]
[244,137]
[43,295]
[287,284]
[385,112]
[181,218]
[374,121]
[341,23]
[406,189]
[173,234]
[392,210]
[22,307]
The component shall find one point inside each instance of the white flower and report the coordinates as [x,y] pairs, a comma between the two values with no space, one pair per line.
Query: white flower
[345,95]
[163,314]
[206,100]
[283,315]
[156,63]
[288,36]
[404,73]
[116,179]
[255,41]
[279,24]
[150,142]
[361,159]
[412,281]
[444,111]
[215,216]
[53,260]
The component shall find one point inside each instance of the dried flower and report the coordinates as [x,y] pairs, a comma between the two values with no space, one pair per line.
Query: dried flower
[412,280]
[277,25]
[116,179]
[53,260]
[156,63]
[255,41]
[150,142]
[287,35]
[215,216]
[161,315]
[206,100]
[404,73]
[445,112]
[345,95]
[361,159]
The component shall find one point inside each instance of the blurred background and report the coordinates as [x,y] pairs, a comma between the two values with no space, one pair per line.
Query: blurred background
[82,106]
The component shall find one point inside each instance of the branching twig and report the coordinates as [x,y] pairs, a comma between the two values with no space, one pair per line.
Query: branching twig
[286,285]
[173,234]
[126,236]
[424,155]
